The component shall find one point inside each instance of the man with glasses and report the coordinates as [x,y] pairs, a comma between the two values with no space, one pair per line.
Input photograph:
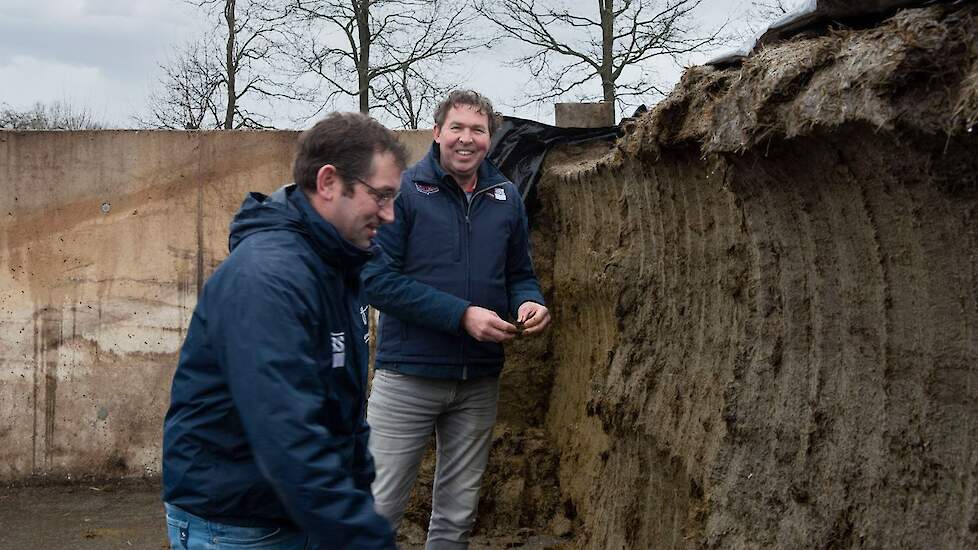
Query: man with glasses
[265,441]
[456,267]
[382,198]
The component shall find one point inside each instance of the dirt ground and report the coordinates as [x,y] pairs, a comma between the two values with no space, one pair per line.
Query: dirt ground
[126,515]
[87,516]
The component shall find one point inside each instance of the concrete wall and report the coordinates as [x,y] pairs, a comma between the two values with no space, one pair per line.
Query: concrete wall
[105,239]
[584,115]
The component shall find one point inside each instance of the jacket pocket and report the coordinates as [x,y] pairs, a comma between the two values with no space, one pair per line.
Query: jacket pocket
[244,536]
[177,530]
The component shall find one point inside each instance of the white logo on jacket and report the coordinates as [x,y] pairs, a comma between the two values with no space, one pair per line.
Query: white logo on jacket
[363,316]
[338,341]
[499,194]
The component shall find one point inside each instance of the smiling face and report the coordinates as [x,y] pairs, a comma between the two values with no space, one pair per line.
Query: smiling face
[355,212]
[463,141]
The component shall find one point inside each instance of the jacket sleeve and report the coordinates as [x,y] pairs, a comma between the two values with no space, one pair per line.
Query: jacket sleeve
[270,344]
[363,462]
[521,281]
[389,290]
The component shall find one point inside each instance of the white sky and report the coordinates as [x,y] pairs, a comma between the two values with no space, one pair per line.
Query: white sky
[103,55]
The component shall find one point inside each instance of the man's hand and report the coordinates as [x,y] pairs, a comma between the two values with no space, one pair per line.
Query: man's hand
[485,326]
[534,317]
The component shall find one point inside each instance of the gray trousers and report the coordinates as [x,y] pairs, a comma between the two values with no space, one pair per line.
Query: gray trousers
[402,412]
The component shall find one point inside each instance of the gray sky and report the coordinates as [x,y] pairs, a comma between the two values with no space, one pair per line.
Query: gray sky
[103,55]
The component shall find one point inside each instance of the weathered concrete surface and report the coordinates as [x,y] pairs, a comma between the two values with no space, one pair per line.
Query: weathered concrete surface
[766,302]
[584,115]
[105,239]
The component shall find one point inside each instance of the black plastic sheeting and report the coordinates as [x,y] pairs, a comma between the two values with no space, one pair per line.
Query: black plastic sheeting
[520,146]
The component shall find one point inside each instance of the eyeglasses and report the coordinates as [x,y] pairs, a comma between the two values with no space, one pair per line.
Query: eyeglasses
[380,197]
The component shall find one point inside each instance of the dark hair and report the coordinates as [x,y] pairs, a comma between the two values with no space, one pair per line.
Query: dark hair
[471,98]
[348,141]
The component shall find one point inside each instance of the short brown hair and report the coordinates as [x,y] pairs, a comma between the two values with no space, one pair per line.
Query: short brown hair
[471,98]
[348,141]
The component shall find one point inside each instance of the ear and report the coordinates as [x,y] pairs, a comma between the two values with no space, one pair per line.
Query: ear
[436,133]
[328,184]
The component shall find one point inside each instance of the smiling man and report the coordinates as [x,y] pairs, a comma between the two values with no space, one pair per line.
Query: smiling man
[265,441]
[456,266]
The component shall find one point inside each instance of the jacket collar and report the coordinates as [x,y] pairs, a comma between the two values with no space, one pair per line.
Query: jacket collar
[331,245]
[288,209]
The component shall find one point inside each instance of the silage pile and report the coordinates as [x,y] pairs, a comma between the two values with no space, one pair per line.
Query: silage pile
[766,302]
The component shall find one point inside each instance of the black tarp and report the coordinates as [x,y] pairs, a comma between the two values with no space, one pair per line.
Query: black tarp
[519,147]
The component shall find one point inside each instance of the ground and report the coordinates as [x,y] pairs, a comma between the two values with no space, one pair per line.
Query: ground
[83,516]
[125,515]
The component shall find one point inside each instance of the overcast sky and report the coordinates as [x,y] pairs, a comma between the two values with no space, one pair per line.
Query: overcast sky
[103,55]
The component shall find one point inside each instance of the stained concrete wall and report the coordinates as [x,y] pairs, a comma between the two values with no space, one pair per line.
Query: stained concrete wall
[105,239]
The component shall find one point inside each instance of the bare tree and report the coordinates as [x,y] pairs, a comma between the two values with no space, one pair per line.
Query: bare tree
[762,13]
[59,115]
[210,82]
[569,48]
[189,96]
[380,43]
[410,95]
[769,10]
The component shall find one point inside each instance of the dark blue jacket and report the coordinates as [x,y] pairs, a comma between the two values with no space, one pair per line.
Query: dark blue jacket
[266,424]
[443,254]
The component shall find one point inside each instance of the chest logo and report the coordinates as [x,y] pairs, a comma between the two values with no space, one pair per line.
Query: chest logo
[337,340]
[426,189]
[499,194]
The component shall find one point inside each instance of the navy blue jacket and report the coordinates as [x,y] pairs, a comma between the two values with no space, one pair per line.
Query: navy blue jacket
[443,254]
[266,424]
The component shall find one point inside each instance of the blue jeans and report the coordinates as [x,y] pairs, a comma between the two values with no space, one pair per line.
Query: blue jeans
[189,532]
[402,412]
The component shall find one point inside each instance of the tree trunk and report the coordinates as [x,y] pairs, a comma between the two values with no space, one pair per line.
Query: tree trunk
[409,101]
[607,9]
[231,66]
[363,63]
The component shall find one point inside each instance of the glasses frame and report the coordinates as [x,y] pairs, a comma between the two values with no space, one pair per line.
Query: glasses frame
[380,197]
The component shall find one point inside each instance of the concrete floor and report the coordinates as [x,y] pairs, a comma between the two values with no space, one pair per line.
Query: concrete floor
[124,515]
[84,517]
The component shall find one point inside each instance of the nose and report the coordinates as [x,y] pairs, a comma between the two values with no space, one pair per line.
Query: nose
[386,212]
[465,136]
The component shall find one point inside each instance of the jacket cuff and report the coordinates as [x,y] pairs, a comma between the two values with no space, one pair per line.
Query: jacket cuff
[455,320]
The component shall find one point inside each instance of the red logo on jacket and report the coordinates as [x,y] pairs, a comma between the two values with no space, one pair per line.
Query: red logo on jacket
[426,189]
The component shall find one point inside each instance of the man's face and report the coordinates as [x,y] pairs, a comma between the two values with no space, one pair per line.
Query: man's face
[463,141]
[357,216]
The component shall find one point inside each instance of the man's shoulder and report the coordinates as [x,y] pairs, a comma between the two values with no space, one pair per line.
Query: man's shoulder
[505,193]
[275,257]
[419,171]
[277,242]
[510,188]
[420,181]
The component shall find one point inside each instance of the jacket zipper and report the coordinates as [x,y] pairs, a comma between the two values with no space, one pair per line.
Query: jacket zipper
[468,264]
[467,204]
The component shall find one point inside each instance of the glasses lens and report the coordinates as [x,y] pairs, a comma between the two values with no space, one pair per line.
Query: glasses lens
[380,197]
[390,197]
